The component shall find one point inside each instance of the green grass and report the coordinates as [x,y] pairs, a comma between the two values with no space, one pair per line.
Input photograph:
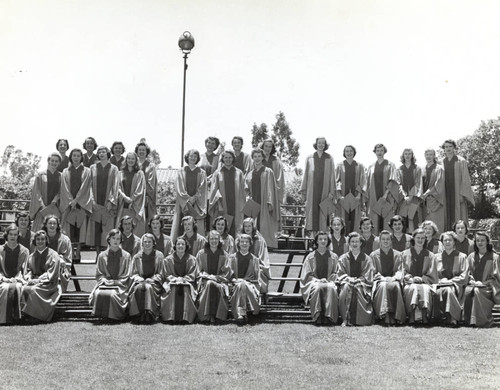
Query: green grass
[86,355]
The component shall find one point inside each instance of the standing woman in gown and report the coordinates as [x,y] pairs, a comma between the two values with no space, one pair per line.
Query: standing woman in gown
[142,150]
[76,198]
[117,150]
[351,179]
[210,159]
[318,283]
[179,274]
[409,177]
[227,195]
[388,301]
[62,147]
[46,192]
[132,193]
[25,234]
[191,191]
[245,288]
[273,162]
[260,186]
[243,161]
[433,188]
[452,269]
[431,236]
[89,145]
[463,243]
[163,242]
[60,243]
[457,185]
[109,299]
[356,279]
[483,287]
[319,184]
[146,275]
[13,258]
[400,240]
[420,273]
[369,241]
[213,278]
[105,179]
[337,234]
[42,290]
[220,226]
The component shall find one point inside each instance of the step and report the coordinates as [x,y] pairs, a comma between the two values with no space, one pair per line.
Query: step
[285,264]
[76,277]
[290,279]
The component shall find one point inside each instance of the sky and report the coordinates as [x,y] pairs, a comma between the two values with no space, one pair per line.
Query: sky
[360,72]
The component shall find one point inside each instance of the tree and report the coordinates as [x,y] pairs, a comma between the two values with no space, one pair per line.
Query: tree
[259,134]
[481,151]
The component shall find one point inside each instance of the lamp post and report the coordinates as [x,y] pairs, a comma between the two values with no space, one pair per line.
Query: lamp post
[186,43]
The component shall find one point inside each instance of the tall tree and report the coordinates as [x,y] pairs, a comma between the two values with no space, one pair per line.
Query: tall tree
[259,134]
[287,148]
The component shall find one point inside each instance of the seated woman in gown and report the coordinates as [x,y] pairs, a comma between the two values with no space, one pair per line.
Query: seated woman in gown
[213,279]
[147,280]
[245,287]
[318,282]
[109,299]
[179,274]
[356,279]
[13,258]
[42,289]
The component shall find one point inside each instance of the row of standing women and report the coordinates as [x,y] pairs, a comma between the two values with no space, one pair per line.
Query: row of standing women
[414,286]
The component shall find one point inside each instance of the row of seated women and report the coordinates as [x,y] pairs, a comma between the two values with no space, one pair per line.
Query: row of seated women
[414,286]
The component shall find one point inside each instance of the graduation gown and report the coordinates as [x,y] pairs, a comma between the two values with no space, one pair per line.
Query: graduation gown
[136,209]
[388,294]
[416,190]
[434,201]
[355,300]
[316,218]
[62,245]
[145,294]
[39,201]
[198,210]
[179,297]
[213,295]
[131,244]
[40,300]
[149,170]
[269,222]
[111,301]
[259,249]
[402,244]
[10,290]
[244,285]
[228,244]
[279,175]
[339,247]
[322,297]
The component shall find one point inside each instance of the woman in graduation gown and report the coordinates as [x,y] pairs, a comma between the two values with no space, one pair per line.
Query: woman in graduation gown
[163,242]
[146,275]
[117,150]
[26,235]
[452,269]
[179,273]
[318,283]
[62,147]
[76,197]
[220,225]
[130,241]
[463,243]
[409,176]
[351,182]
[431,235]
[210,159]
[433,188]
[191,191]
[369,241]
[105,184]
[400,240]
[13,258]
[319,184]
[42,289]
[89,158]
[132,193]
[273,162]
[388,301]
[258,249]
[483,287]
[420,273]
[45,193]
[142,150]
[337,234]
[213,279]
[245,288]
[227,195]
[109,298]
[356,272]
[190,234]
[260,187]
[243,161]
[60,243]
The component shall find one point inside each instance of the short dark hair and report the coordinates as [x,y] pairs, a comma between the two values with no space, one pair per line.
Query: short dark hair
[415,232]
[112,233]
[59,141]
[257,150]
[220,218]
[93,141]
[342,231]
[315,144]
[46,221]
[449,233]
[126,218]
[39,234]
[215,139]
[449,141]
[57,155]
[454,227]
[238,138]
[188,245]
[76,150]
[273,149]
[108,152]
[149,235]
[148,149]
[321,233]
[365,219]
[230,152]
[11,226]
[489,246]
[353,149]
[351,235]
[192,151]
[377,146]
[246,237]
[118,143]
[397,218]
[156,217]
[23,214]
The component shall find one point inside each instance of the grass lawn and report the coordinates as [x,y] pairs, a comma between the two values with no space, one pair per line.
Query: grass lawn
[94,355]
